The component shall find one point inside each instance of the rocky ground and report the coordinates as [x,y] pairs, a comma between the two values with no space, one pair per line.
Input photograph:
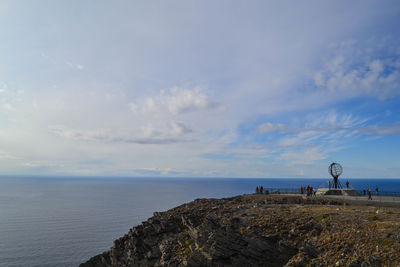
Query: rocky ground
[262,230]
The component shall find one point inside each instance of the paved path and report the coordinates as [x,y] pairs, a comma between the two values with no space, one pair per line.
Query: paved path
[364,199]
[389,199]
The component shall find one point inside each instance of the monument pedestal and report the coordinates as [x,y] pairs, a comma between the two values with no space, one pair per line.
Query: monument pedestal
[336,192]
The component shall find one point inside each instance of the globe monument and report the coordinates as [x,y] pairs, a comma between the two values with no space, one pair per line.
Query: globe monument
[335,170]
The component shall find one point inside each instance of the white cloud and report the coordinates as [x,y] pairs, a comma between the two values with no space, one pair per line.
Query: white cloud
[346,130]
[149,106]
[31,164]
[354,71]
[8,106]
[65,132]
[299,139]
[133,107]
[7,156]
[155,171]
[177,100]
[322,134]
[183,100]
[10,98]
[379,130]
[179,128]
[319,79]
[173,132]
[304,156]
[68,63]
[269,127]
[321,122]
[3,87]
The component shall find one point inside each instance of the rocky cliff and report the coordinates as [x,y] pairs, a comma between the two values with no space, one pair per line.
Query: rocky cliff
[261,230]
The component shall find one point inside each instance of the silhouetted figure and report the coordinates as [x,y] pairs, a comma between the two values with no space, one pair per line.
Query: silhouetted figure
[377,191]
[347,184]
[369,194]
[329,184]
[365,192]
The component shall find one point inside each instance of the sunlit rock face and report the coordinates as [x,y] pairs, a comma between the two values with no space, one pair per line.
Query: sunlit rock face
[260,230]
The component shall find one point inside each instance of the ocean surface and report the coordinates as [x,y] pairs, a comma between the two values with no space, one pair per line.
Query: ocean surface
[65,221]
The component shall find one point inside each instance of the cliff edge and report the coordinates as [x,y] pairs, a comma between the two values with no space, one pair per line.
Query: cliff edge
[261,230]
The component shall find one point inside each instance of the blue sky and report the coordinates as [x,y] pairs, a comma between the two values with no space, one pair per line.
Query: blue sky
[200,88]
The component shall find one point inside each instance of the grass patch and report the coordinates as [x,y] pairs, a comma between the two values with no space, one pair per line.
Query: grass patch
[322,217]
[372,218]
[187,251]
[385,241]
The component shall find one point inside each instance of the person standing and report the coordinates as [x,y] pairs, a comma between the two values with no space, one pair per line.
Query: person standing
[347,184]
[369,194]
[329,184]
[377,191]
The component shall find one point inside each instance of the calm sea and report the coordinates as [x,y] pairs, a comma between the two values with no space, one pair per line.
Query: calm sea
[65,221]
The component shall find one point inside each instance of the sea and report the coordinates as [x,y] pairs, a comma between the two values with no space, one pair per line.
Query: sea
[64,221]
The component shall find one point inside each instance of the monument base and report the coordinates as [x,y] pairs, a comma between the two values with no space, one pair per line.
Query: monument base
[336,192]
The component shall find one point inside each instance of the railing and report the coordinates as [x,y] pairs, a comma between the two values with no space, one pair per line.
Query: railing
[297,191]
[381,193]
[281,191]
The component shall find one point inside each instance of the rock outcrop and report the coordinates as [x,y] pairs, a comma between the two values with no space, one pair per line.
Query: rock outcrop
[261,230]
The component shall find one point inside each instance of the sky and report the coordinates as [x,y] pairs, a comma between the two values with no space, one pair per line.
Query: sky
[200,88]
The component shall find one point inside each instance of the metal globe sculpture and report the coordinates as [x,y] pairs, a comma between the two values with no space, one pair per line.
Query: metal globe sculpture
[335,169]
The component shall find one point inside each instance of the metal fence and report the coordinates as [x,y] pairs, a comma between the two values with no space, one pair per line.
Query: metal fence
[297,191]
[281,191]
[381,193]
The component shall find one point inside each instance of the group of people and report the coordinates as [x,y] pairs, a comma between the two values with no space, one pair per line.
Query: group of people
[347,184]
[259,189]
[309,190]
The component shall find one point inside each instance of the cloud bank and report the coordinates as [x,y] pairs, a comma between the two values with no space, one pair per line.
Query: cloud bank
[244,89]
